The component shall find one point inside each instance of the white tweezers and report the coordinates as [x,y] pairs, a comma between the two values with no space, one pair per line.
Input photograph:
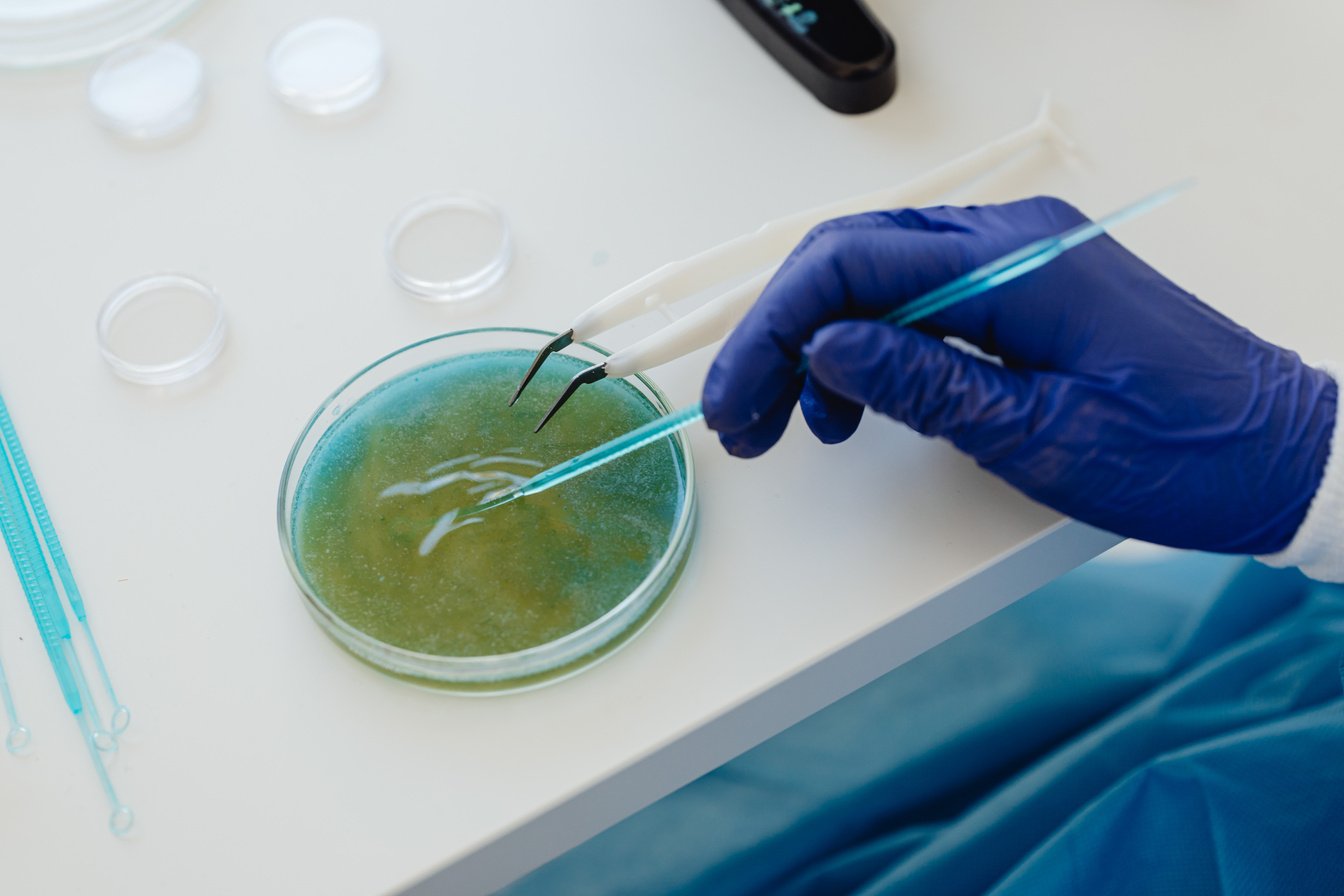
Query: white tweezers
[766,246]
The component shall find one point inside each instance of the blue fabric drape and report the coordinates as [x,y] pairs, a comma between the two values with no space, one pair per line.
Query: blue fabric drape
[1168,727]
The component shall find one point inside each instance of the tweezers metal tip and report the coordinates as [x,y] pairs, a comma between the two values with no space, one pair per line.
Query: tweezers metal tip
[561,341]
[584,377]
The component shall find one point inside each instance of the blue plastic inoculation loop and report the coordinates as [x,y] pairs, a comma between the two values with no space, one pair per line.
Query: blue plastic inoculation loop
[122,820]
[24,471]
[18,738]
[44,600]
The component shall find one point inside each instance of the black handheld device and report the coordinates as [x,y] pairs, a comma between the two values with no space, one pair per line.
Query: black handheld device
[837,49]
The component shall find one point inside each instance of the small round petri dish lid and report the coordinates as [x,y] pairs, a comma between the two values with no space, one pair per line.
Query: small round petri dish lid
[448,247]
[148,90]
[161,329]
[327,66]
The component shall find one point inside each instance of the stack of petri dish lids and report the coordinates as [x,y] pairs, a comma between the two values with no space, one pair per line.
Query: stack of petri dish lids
[39,33]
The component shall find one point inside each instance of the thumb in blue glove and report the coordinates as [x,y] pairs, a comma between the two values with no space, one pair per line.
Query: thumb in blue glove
[1121,400]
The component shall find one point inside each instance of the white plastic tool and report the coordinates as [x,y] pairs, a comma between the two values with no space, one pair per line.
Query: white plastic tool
[766,246]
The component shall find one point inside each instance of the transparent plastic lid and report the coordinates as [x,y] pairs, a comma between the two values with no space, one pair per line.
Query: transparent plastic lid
[148,90]
[327,66]
[161,329]
[448,247]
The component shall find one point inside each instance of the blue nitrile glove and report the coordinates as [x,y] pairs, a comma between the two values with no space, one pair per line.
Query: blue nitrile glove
[1122,401]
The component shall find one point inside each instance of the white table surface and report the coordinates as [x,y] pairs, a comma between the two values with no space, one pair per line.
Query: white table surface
[617,135]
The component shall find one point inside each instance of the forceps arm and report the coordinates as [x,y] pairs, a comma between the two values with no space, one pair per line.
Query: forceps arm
[767,245]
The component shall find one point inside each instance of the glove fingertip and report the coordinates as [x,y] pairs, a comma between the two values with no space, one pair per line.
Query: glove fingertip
[832,418]
[742,446]
[713,400]
[829,433]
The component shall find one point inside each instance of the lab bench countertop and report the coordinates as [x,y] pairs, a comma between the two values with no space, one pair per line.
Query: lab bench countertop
[616,137]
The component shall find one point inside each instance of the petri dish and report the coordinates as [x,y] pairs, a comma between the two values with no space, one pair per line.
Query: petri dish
[148,90]
[448,247]
[41,33]
[534,591]
[161,329]
[327,66]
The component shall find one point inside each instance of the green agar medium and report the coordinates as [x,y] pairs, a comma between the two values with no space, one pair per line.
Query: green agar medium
[373,529]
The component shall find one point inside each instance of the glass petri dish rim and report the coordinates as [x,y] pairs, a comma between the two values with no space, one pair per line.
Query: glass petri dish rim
[491,670]
[180,368]
[454,289]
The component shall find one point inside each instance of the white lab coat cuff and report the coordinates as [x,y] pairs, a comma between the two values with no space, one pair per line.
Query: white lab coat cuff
[1318,547]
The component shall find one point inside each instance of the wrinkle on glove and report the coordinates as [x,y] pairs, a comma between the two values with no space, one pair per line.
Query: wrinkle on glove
[1170,727]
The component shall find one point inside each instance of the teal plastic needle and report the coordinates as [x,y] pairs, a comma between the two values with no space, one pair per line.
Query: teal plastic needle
[987,276]
[1027,259]
[605,453]
[121,714]
[40,589]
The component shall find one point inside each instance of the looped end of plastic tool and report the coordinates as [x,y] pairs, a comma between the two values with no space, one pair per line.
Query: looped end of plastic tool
[121,718]
[104,741]
[121,821]
[17,739]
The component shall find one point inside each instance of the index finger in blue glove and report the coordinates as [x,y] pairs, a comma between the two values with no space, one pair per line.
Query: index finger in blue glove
[935,389]
[766,426]
[832,274]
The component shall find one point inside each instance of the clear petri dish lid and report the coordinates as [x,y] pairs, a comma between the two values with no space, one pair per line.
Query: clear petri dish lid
[37,33]
[161,329]
[327,66]
[447,247]
[148,90]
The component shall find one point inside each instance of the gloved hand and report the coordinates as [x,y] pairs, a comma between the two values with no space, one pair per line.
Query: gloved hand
[1122,400]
